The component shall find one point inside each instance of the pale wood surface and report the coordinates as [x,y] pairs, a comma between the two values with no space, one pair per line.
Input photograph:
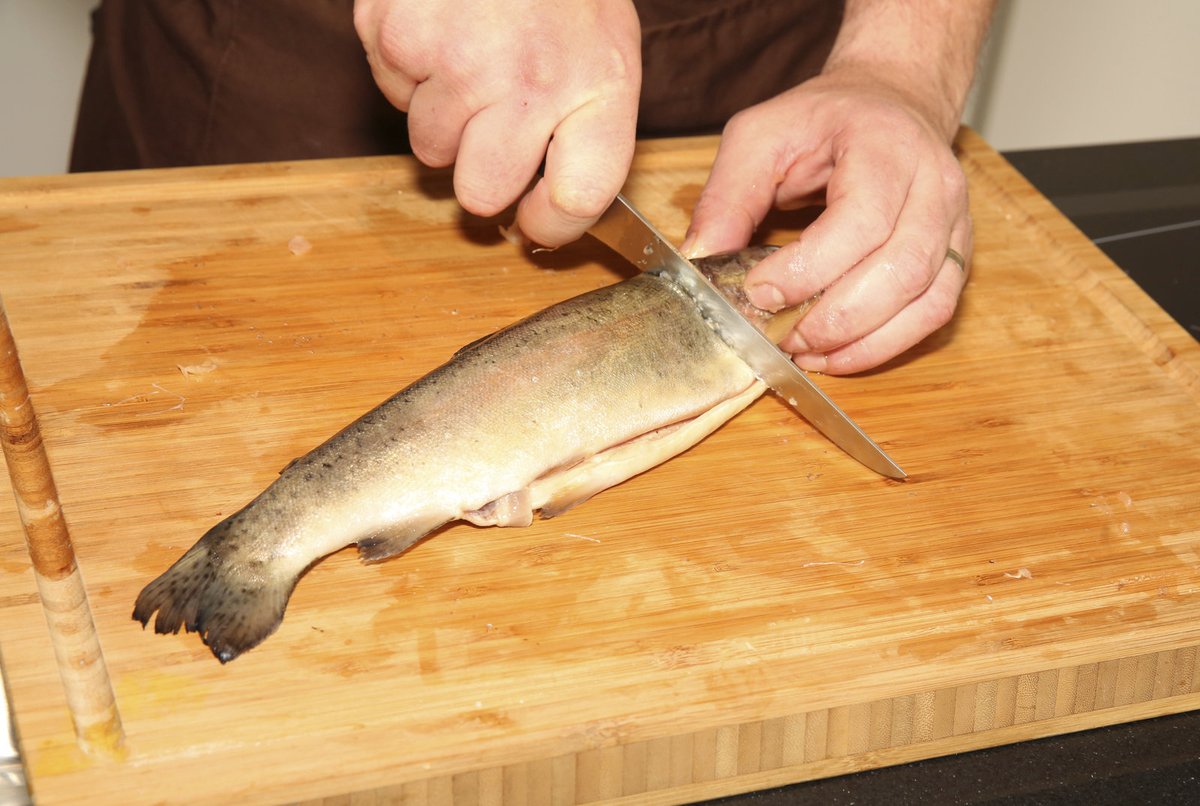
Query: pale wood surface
[758,610]
[72,630]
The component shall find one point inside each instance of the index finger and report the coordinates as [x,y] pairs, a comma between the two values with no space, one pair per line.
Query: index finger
[735,199]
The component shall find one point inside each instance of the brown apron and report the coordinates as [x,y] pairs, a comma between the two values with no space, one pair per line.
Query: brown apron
[190,82]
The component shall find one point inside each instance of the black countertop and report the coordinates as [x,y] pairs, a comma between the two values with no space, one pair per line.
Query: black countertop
[1140,203]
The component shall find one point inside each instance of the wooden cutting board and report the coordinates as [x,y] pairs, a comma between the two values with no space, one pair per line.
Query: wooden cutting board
[757,611]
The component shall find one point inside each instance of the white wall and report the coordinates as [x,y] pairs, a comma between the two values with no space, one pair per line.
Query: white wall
[43,49]
[1076,72]
[1057,72]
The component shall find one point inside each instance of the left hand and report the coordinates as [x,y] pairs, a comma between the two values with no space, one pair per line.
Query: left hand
[896,201]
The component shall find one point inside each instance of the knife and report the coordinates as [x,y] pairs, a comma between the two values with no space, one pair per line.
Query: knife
[627,232]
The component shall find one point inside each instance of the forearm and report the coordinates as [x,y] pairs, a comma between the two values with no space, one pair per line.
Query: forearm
[926,49]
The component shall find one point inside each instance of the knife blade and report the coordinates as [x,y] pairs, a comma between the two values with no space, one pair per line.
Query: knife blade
[627,232]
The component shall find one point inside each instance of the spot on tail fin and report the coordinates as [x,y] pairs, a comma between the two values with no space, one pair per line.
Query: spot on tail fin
[231,606]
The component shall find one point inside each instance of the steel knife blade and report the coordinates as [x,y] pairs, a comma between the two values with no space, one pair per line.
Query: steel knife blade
[627,232]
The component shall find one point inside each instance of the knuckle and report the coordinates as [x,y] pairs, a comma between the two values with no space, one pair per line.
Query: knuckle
[579,199]
[838,326]
[622,66]
[954,180]
[834,327]
[855,357]
[364,17]
[939,308]
[968,236]
[739,126]
[875,221]
[912,269]
[539,70]
[386,46]
[479,199]
[361,21]
[429,149]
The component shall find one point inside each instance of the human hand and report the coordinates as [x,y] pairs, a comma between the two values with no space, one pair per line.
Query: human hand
[492,86]
[896,201]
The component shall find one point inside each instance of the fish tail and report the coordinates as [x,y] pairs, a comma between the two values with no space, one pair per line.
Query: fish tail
[232,606]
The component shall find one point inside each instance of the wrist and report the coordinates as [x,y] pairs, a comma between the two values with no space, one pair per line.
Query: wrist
[923,50]
[938,106]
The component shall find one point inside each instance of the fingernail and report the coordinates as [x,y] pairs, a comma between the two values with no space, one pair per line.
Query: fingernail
[811,362]
[689,246]
[766,296]
[795,344]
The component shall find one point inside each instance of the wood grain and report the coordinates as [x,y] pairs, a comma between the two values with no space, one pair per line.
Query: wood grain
[756,611]
[72,631]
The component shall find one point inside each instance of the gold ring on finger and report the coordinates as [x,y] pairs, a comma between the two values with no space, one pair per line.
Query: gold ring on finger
[957,257]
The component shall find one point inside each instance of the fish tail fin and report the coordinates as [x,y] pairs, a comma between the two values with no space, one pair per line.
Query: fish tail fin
[232,606]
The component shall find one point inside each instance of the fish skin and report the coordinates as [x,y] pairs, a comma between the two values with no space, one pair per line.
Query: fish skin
[486,437]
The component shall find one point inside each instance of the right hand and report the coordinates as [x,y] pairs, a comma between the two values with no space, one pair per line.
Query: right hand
[492,86]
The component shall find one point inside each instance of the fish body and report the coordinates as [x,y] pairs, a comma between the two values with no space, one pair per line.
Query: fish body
[537,417]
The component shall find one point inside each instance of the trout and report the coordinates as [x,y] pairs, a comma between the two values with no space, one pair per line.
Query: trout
[537,417]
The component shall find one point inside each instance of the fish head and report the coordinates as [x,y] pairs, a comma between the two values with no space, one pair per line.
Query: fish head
[727,272]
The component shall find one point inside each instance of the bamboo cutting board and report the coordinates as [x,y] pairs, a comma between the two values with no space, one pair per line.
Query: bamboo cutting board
[757,611]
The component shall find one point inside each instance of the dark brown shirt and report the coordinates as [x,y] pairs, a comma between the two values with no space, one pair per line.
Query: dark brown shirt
[188,82]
